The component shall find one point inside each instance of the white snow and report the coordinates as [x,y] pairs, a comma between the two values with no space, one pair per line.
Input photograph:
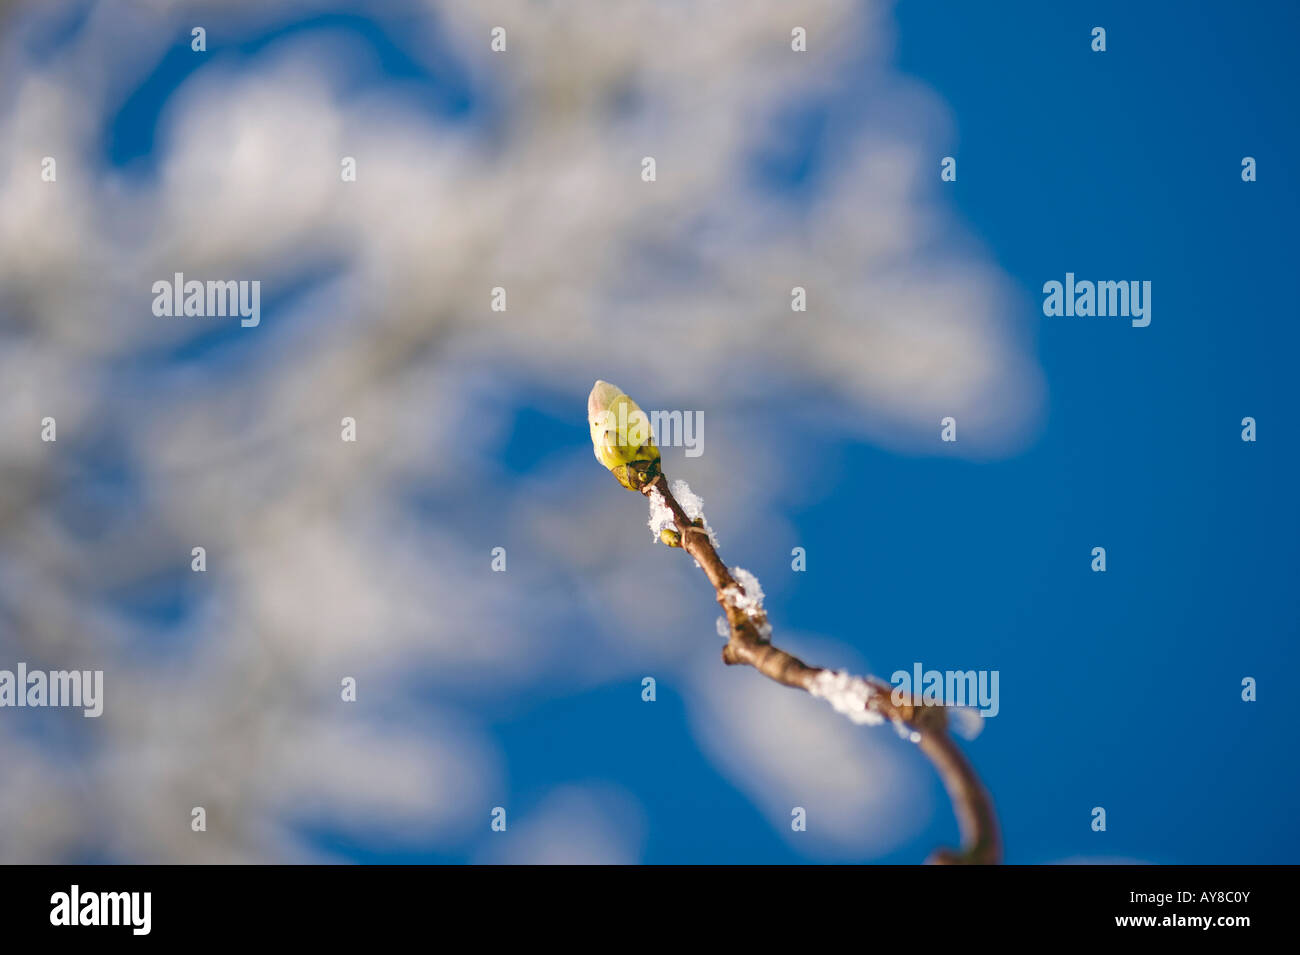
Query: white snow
[965,721]
[751,601]
[693,505]
[748,601]
[846,694]
[661,516]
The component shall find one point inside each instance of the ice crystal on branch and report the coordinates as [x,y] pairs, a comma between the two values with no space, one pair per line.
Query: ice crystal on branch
[661,515]
[746,595]
[847,694]
[750,601]
[965,721]
[693,505]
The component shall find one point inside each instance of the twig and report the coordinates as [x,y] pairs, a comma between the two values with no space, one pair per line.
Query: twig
[865,700]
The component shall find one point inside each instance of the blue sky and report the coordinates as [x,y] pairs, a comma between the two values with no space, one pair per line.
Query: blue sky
[1128,163]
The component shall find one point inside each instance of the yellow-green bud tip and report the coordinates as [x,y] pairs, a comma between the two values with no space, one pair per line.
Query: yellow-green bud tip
[601,398]
[621,436]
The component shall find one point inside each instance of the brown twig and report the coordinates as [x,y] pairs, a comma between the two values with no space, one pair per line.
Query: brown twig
[750,644]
